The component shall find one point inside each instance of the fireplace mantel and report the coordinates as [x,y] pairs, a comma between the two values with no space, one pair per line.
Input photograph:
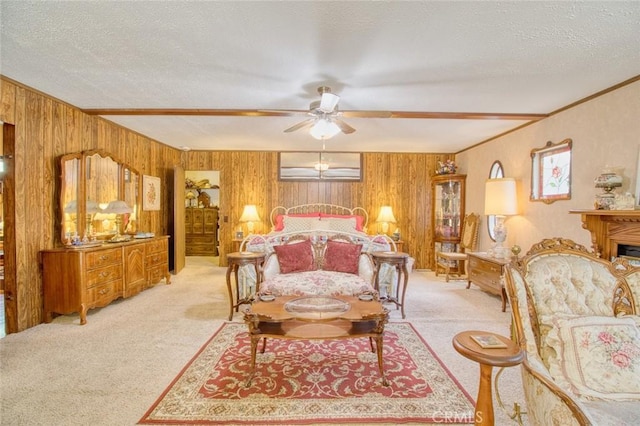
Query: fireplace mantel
[609,228]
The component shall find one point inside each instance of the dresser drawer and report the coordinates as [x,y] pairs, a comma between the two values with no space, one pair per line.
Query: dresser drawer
[155,274]
[156,259]
[102,258]
[200,239]
[157,246]
[98,276]
[102,294]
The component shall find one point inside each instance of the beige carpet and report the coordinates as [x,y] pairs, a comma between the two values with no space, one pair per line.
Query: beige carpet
[110,371]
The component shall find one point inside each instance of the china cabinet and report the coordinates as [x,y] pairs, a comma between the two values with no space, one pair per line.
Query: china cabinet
[448,210]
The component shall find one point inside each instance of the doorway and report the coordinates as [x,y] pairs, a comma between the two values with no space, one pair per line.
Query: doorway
[202,205]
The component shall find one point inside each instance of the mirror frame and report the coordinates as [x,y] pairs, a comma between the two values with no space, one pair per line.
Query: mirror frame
[551,172]
[298,166]
[124,175]
[496,171]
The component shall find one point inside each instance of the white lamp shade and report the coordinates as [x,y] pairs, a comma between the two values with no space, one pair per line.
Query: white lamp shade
[324,129]
[118,207]
[250,214]
[386,215]
[500,197]
[92,207]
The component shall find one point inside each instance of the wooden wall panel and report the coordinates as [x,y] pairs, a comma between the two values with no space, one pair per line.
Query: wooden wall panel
[45,129]
[400,180]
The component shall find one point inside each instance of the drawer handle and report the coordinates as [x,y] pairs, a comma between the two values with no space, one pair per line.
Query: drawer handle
[103,257]
[103,291]
[104,274]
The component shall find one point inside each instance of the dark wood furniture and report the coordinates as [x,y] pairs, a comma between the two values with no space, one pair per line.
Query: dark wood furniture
[79,279]
[201,231]
[397,260]
[487,358]
[272,320]
[235,261]
[488,273]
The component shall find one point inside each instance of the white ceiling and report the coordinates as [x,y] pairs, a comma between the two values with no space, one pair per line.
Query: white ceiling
[492,57]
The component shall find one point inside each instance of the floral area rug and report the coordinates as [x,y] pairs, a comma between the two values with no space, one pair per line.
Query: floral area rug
[313,382]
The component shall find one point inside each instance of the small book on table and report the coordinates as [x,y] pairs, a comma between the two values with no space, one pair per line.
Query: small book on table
[488,341]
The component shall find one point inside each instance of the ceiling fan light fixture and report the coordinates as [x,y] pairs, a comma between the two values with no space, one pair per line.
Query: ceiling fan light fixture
[324,129]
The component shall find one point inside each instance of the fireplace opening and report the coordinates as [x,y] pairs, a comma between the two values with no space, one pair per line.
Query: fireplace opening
[632,253]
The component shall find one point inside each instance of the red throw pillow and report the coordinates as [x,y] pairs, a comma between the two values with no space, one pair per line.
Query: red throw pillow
[295,257]
[279,225]
[342,257]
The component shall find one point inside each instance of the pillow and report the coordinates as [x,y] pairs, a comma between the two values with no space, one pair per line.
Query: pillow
[341,225]
[359,219]
[342,257]
[300,224]
[295,257]
[596,357]
[279,226]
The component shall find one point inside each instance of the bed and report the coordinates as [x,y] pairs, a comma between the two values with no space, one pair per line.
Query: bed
[322,228]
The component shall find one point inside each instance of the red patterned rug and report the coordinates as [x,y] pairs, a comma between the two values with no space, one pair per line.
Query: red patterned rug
[313,382]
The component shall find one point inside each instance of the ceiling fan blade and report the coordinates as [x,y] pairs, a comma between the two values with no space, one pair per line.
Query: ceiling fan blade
[328,102]
[346,129]
[303,124]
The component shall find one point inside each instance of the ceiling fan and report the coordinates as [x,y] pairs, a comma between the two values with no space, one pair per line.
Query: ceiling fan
[324,119]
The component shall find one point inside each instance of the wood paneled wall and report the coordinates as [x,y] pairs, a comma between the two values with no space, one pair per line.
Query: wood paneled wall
[46,128]
[401,180]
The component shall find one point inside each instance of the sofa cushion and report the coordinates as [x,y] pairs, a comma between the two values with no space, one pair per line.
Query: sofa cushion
[342,257]
[295,257]
[320,283]
[596,357]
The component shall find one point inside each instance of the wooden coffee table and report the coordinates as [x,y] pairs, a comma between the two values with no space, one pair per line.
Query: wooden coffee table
[316,318]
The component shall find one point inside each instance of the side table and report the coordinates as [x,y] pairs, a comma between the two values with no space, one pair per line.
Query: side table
[487,358]
[399,261]
[236,260]
[487,272]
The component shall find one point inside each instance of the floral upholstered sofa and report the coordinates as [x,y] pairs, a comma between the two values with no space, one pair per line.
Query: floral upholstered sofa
[576,318]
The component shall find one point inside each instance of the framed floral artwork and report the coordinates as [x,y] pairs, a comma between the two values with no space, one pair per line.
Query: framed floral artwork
[150,193]
[551,172]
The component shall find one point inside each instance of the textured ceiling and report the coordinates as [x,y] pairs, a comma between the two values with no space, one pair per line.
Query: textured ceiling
[491,57]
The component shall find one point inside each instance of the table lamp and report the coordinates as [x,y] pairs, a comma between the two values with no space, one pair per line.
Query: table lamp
[250,215]
[117,207]
[500,200]
[385,217]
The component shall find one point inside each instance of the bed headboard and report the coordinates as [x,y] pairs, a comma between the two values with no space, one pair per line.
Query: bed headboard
[319,208]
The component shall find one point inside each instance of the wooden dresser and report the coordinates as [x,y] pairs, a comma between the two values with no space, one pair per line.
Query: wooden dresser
[201,231]
[487,273]
[76,280]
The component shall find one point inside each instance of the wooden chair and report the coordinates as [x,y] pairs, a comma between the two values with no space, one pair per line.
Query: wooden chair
[453,263]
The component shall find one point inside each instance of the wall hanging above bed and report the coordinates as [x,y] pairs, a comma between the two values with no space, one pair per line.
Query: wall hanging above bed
[320,166]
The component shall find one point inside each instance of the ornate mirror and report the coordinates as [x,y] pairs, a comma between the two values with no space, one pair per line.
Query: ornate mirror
[99,197]
[496,172]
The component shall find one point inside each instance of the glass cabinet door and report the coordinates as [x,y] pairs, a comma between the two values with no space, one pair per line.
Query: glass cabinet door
[448,207]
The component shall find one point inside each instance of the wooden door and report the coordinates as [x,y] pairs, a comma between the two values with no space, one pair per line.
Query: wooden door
[179,245]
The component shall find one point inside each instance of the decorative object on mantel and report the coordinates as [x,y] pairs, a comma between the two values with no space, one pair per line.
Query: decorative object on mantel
[608,181]
[446,168]
[624,202]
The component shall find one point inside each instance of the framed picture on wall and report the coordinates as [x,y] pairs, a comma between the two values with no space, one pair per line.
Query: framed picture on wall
[150,193]
[551,172]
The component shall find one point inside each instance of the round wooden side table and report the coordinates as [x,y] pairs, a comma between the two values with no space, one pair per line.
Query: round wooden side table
[399,261]
[236,260]
[487,358]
